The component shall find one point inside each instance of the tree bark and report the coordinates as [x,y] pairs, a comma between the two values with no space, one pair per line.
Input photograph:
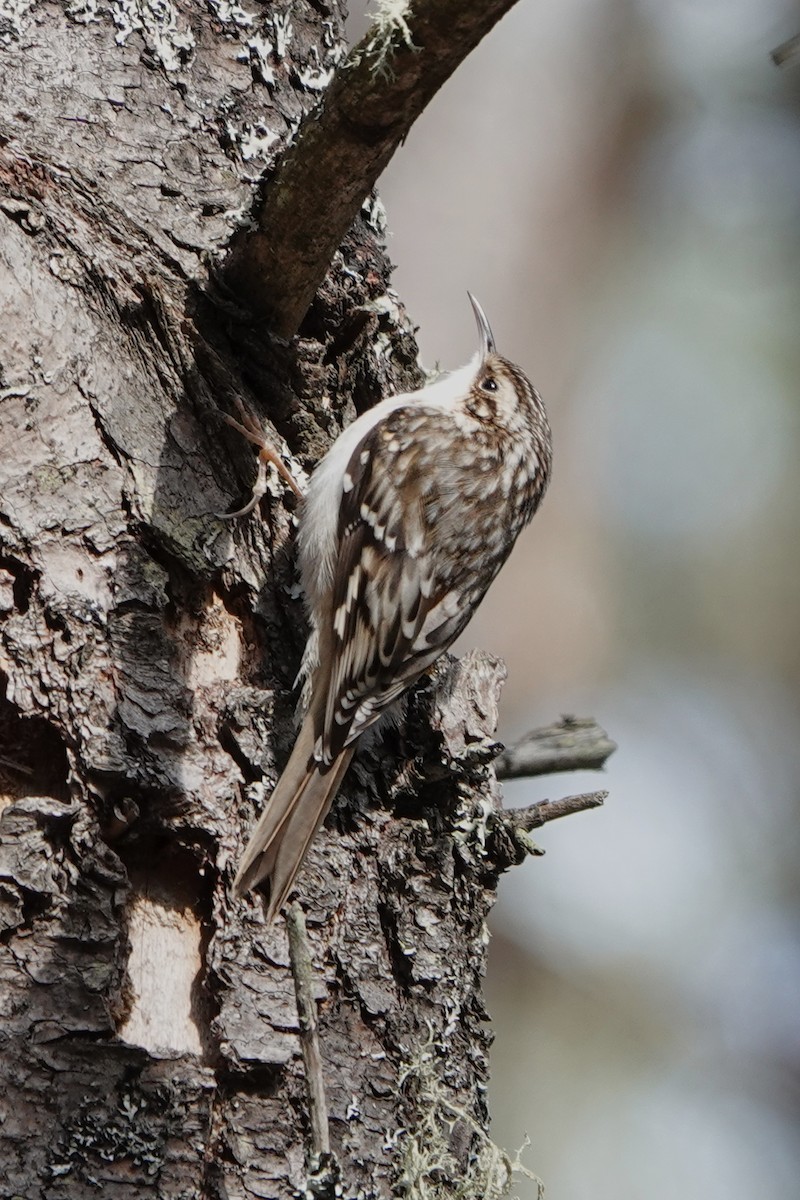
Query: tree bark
[149,1026]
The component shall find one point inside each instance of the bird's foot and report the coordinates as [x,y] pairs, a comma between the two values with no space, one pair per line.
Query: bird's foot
[251,428]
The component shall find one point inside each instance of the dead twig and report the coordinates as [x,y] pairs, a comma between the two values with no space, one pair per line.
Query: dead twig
[539,814]
[303,973]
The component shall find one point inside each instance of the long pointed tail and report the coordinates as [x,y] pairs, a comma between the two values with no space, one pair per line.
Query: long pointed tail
[294,813]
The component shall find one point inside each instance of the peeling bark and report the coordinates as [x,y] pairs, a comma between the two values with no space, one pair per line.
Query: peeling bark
[149,1026]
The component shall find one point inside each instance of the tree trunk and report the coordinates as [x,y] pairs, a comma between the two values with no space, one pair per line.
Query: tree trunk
[150,1036]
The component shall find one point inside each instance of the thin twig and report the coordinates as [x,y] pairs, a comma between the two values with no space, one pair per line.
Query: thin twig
[303,972]
[286,245]
[571,744]
[539,814]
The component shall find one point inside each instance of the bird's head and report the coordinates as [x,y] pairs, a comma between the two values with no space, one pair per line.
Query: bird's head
[500,393]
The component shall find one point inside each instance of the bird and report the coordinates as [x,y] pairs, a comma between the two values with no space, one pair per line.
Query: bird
[406,521]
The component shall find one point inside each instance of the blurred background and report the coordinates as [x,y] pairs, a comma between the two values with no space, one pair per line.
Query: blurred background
[619,184]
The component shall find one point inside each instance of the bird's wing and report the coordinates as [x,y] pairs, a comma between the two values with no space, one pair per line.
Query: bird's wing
[393,609]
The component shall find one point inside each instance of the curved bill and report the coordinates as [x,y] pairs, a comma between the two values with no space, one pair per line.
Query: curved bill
[487,341]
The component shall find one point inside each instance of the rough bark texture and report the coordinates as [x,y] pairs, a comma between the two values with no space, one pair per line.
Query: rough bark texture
[148,1026]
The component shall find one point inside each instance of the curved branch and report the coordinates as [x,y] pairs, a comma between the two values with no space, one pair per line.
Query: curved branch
[279,261]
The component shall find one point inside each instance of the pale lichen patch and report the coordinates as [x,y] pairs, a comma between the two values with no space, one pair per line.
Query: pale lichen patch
[257,52]
[170,45]
[314,77]
[283,30]
[230,14]
[251,141]
[12,19]
[389,30]
[429,1168]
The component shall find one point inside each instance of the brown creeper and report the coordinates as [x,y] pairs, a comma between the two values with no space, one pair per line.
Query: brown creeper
[407,520]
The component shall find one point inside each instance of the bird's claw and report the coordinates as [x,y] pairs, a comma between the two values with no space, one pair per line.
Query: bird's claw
[250,427]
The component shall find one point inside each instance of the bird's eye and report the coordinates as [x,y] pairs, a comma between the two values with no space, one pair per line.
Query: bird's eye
[489,384]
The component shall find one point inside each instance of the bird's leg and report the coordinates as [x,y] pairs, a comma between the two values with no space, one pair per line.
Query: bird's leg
[250,427]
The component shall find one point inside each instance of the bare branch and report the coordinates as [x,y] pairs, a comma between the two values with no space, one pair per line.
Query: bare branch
[322,181]
[571,744]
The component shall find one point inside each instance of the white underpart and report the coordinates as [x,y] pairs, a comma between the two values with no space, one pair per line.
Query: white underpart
[318,528]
